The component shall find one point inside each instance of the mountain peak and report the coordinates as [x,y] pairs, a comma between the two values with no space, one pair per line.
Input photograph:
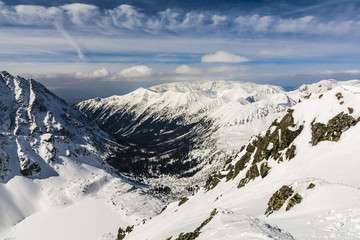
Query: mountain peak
[40,128]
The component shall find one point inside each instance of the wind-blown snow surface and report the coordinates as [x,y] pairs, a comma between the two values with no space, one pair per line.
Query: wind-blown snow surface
[54,181]
[330,210]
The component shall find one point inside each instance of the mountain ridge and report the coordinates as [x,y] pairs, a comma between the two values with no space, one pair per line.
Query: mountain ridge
[310,193]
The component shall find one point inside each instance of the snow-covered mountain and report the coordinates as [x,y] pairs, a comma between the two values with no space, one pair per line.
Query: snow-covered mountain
[37,128]
[179,132]
[296,180]
[55,182]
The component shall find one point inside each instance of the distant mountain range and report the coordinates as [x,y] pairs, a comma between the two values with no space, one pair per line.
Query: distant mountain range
[234,160]
[175,134]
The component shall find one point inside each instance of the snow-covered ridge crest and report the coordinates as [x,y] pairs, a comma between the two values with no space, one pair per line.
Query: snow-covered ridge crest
[325,85]
[190,97]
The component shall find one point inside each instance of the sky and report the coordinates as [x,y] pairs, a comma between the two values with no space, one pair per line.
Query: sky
[84,49]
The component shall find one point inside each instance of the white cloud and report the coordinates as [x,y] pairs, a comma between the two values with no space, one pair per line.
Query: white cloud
[79,13]
[218,19]
[30,14]
[136,71]
[223,56]
[352,71]
[185,69]
[99,73]
[126,16]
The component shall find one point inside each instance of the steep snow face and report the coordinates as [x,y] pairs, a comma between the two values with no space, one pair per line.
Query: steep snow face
[54,179]
[319,166]
[184,130]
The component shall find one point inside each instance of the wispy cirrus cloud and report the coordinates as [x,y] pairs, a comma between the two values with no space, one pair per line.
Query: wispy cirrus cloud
[87,17]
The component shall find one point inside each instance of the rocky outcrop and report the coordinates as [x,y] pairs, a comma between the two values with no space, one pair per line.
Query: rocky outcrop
[183,200]
[122,233]
[276,144]
[333,129]
[278,199]
[279,137]
[296,199]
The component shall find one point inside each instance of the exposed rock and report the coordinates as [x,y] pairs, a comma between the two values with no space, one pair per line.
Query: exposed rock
[31,169]
[296,199]
[311,186]
[307,96]
[333,130]
[241,163]
[122,233]
[212,181]
[163,209]
[339,95]
[264,169]
[4,166]
[278,199]
[182,201]
[278,138]
[251,174]
[290,152]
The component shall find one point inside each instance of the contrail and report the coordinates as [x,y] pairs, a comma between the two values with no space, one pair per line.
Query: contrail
[70,40]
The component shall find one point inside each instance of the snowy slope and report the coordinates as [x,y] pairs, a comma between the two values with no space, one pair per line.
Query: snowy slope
[54,179]
[179,132]
[318,165]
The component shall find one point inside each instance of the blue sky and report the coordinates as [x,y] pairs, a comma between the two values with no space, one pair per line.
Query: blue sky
[94,48]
